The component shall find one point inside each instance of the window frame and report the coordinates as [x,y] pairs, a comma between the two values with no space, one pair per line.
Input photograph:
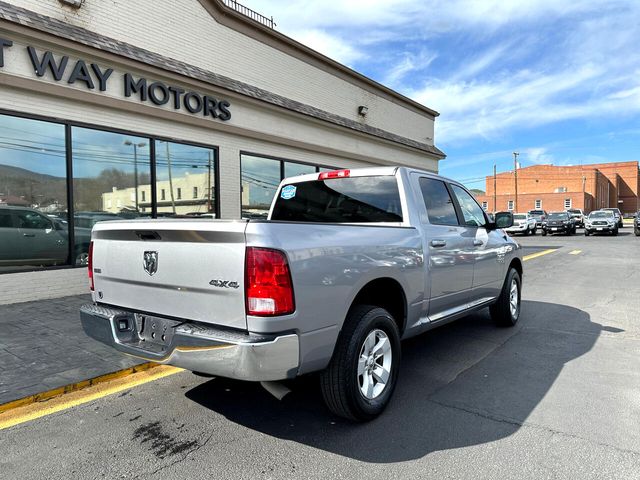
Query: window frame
[537,204]
[68,142]
[569,201]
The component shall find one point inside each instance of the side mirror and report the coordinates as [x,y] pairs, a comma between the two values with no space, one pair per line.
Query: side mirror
[504,220]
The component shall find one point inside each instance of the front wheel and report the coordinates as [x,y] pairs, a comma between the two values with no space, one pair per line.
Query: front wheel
[636,231]
[506,311]
[586,232]
[615,231]
[544,232]
[363,372]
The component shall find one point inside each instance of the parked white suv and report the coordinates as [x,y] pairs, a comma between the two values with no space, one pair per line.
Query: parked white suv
[523,223]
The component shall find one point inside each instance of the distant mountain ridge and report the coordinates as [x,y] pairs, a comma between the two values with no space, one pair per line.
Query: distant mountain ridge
[9,171]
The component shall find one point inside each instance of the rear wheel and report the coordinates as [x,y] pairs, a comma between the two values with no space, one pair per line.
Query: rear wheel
[637,232]
[506,311]
[615,231]
[361,377]
[544,232]
[586,232]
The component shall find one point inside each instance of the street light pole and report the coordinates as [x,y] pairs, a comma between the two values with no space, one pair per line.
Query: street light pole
[515,177]
[135,166]
[495,197]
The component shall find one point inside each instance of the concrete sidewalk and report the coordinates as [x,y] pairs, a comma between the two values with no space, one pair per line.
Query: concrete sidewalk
[43,346]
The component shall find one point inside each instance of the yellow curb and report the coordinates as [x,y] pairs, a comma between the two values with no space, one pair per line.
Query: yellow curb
[73,387]
[36,410]
[538,254]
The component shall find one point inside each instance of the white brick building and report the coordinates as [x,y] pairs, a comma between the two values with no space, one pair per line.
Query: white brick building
[133,97]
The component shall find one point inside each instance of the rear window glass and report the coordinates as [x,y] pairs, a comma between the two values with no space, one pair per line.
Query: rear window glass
[340,200]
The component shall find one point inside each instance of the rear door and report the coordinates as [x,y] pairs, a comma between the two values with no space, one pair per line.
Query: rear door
[450,264]
[187,269]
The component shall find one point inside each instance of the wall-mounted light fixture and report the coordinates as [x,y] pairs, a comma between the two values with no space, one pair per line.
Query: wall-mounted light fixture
[72,3]
[362,110]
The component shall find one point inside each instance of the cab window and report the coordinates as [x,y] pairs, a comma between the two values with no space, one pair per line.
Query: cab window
[471,211]
[32,221]
[440,207]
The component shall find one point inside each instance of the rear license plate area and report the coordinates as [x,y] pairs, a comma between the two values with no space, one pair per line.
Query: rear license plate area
[155,331]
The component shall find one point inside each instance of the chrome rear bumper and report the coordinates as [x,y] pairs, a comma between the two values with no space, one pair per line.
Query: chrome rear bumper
[196,346]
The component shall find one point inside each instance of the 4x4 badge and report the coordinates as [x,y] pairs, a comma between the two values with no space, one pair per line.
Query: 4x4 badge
[150,262]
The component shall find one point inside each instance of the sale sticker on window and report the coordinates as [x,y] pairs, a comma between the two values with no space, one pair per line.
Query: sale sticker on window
[288,192]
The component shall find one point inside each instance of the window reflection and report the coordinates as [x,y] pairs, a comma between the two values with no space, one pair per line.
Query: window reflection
[180,169]
[292,169]
[260,178]
[33,192]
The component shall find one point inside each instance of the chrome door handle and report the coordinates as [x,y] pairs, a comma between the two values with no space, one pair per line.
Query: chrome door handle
[438,243]
[478,243]
[28,234]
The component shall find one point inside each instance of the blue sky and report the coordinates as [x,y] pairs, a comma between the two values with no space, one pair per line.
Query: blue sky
[557,81]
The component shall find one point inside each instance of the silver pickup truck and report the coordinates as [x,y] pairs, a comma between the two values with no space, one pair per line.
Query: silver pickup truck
[347,264]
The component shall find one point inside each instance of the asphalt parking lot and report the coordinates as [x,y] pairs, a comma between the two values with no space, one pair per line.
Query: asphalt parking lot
[556,397]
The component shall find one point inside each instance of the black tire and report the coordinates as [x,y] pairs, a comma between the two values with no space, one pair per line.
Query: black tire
[636,231]
[501,310]
[615,231]
[340,382]
[586,232]
[544,232]
[535,230]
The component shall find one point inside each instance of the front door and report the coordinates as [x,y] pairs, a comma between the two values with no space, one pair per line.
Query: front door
[40,243]
[488,248]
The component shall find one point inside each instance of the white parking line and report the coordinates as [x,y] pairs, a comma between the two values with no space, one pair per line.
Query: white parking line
[575,252]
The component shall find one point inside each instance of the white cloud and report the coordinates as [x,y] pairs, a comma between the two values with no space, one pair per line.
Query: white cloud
[330,45]
[520,64]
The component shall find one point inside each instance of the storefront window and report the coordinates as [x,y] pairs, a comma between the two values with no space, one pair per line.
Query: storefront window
[260,179]
[292,169]
[33,193]
[185,168]
[110,171]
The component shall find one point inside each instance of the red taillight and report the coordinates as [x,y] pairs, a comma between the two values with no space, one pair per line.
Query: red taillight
[90,266]
[334,174]
[269,290]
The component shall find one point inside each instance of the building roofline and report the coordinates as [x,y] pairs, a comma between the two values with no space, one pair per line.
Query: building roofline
[231,18]
[50,26]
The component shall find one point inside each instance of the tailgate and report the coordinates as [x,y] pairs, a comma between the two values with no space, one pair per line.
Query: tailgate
[187,269]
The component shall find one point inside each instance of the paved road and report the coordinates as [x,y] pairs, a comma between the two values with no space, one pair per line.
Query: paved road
[556,397]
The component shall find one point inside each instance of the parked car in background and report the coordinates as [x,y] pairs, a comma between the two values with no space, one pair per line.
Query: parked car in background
[559,222]
[539,215]
[617,214]
[31,238]
[578,216]
[523,223]
[636,224]
[601,221]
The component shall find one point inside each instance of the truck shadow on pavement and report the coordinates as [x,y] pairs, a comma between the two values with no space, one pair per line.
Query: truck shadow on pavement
[467,383]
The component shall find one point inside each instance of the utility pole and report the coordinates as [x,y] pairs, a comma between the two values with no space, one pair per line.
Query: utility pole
[515,178]
[495,198]
[173,201]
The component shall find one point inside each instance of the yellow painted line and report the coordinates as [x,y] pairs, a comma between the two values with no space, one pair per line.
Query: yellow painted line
[59,400]
[575,252]
[538,254]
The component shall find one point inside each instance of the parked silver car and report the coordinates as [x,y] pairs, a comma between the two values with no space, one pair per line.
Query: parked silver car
[601,221]
[523,223]
[31,238]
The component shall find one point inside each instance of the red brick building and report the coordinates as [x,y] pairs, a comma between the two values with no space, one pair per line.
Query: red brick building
[588,187]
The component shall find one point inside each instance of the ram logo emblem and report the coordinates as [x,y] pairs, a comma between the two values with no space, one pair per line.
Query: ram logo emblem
[150,262]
